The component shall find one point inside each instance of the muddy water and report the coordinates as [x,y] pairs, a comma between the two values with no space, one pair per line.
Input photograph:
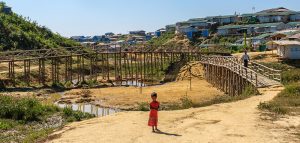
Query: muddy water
[89,108]
[131,83]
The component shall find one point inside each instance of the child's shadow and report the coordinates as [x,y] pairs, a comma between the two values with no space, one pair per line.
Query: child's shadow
[168,134]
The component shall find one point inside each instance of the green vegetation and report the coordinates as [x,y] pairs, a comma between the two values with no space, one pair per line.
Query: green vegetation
[144,106]
[161,40]
[17,32]
[249,20]
[287,101]
[29,120]
[186,102]
[291,76]
[290,70]
[26,109]
[71,115]
[224,40]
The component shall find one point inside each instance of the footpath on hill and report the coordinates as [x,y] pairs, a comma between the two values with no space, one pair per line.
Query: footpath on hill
[239,121]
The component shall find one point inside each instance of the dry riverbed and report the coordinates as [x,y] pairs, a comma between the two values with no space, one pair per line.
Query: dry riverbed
[130,98]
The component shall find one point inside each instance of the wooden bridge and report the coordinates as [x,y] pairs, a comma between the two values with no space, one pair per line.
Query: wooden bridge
[126,66]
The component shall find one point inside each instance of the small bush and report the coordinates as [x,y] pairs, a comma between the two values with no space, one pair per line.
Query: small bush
[291,90]
[68,112]
[92,83]
[58,86]
[68,84]
[71,115]
[4,126]
[144,106]
[186,102]
[37,136]
[273,107]
[291,76]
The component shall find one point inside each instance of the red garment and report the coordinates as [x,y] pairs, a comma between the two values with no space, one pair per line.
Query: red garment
[153,117]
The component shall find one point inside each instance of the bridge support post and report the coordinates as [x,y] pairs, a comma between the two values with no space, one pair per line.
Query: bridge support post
[11,73]
[42,72]
[27,72]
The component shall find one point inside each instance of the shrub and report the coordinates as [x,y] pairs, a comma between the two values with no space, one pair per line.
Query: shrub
[186,102]
[68,84]
[273,107]
[291,90]
[58,86]
[285,102]
[27,109]
[92,83]
[71,115]
[291,76]
[4,126]
[144,106]
[67,111]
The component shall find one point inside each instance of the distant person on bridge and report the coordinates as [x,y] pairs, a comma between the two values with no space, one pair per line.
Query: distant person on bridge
[246,59]
[153,117]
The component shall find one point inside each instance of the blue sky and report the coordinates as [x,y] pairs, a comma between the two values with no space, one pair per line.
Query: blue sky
[95,17]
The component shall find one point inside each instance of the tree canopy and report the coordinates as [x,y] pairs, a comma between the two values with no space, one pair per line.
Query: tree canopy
[18,32]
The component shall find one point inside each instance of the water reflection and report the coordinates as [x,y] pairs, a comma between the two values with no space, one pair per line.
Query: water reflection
[89,108]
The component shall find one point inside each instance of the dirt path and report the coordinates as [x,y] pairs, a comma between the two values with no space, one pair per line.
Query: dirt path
[231,122]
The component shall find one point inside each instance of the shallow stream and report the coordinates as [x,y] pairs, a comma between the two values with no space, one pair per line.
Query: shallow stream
[89,108]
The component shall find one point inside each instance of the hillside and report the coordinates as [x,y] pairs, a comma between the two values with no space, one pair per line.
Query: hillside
[17,32]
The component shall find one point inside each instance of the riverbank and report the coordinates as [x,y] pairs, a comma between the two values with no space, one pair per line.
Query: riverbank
[239,121]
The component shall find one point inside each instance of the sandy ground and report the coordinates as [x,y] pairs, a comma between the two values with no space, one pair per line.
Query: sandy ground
[225,123]
[128,97]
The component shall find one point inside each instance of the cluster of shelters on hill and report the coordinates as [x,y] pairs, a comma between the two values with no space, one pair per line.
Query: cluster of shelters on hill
[265,21]
[276,28]
[133,37]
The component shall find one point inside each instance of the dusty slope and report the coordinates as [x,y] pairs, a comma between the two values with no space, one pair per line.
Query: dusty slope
[231,122]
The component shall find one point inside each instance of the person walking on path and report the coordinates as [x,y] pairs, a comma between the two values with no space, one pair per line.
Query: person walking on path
[153,116]
[246,59]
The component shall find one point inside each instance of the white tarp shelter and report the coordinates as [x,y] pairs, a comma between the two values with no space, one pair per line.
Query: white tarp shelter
[286,49]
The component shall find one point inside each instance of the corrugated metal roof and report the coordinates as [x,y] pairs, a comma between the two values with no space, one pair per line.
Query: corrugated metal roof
[197,19]
[284,43]
[221,16]
[250,25]
[263,36]
[278,9]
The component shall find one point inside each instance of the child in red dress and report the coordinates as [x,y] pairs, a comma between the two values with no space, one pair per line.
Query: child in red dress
[153,117]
